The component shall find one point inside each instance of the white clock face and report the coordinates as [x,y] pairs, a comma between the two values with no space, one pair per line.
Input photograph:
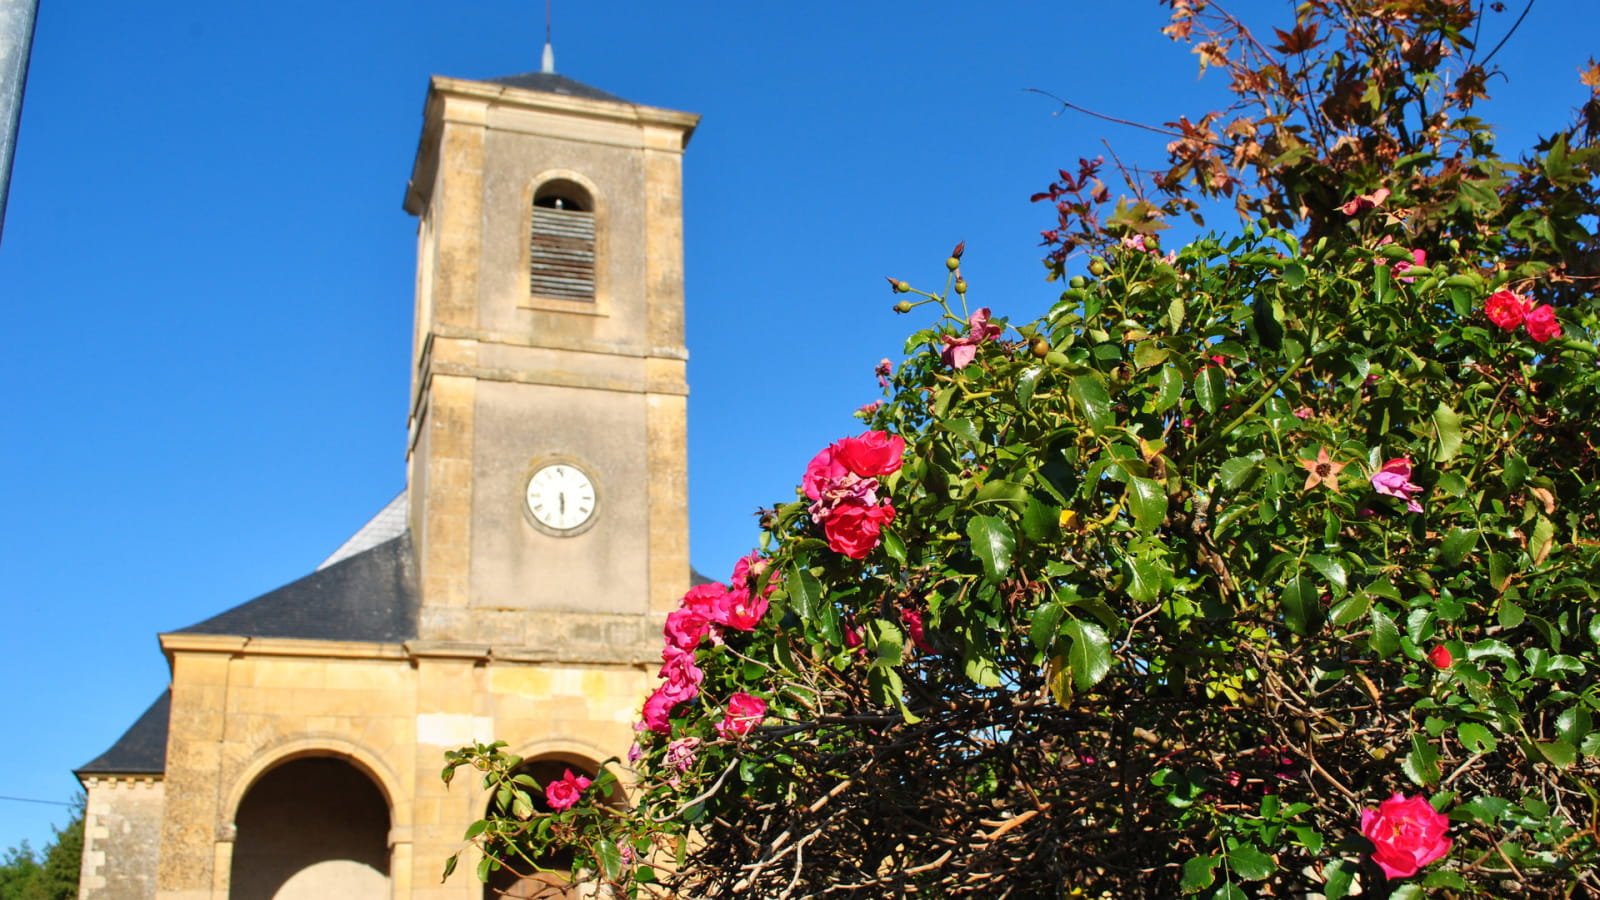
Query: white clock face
[561,497]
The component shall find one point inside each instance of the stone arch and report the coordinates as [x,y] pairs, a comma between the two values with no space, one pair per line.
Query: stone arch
[546,761]
[311,822]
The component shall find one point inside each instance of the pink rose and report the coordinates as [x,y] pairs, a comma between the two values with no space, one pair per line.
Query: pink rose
[855,528]
[873,453]
[739,611]
[821,471]
[563,794]
[748,570]
[1421,259]
[685,628]
[703,598]
[1506,309]
[1393,479]
[744,713]
[681,753]
[683,677]
[1440,657]
[913,622]
[658,711]
[959,352]
[1406,834]
[1541,323]
[883,371]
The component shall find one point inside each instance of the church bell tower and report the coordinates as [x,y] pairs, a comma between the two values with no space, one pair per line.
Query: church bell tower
[547,458]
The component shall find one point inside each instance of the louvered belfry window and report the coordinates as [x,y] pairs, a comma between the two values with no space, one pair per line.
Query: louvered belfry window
[561,243]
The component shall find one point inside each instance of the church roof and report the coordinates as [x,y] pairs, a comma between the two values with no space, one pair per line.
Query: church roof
[551,83]
[371,596]
[142,749]
[389,523]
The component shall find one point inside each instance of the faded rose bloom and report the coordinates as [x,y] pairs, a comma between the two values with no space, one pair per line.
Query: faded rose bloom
[1364,202]
[748,570]
[855,528]
[1393,479]
[681,753]
[564,794]
[1507,309]
[873,453]
[1420,258]
[867,409]
[1440,656]
[1303,412]
[822,470]
[1406,834]
[883,371]
[959,352]
[745,711]
[1541,323]
[635,752]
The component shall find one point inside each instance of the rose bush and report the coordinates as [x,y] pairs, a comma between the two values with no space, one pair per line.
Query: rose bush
[1162,592]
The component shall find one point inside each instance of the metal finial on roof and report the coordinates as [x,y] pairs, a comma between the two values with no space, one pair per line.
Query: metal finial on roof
[548,65]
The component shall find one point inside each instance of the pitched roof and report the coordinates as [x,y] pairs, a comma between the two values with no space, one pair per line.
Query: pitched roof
[142,749]
[551,83]
[371,596]
[389,523]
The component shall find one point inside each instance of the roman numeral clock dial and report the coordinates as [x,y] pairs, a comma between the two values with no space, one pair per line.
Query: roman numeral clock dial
[561,499]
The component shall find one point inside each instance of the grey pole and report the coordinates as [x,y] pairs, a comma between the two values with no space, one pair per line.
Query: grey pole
[16,41]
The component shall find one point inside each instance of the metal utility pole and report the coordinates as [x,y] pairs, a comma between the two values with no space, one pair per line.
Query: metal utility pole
[16,42]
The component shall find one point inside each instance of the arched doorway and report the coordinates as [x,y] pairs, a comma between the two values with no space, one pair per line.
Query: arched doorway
[522,882]
[310,829]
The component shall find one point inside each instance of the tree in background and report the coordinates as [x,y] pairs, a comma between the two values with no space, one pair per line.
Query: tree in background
[52,875]
[1262,567]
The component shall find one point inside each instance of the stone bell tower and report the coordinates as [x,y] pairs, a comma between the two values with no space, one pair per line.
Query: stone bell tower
[547,461]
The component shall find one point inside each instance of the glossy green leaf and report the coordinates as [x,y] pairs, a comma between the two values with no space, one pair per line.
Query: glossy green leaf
[1302,605]
[1089,393]
[1046,623]
[1338,875]
[1090,653]
[1421,765]
[1446,433]
[993,543]
[1385,636]
[1457,545]
[1169,388]
[1147,500]
[1199,873]
[1027,383]
[1210,388]
[609,857]
[1249,863]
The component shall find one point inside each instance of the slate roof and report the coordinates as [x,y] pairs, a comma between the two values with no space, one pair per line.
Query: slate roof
[551,83]
[389,523]
[371,596]
[142,749]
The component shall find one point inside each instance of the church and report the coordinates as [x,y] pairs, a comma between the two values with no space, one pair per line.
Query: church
[514,591]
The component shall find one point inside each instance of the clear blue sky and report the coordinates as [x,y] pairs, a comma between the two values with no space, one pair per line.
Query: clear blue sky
[207,277]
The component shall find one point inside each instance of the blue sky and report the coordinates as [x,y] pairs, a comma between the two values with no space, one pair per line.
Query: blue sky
[207,275]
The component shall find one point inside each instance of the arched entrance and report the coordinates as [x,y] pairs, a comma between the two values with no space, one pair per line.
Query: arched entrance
[521,882]
[310,829]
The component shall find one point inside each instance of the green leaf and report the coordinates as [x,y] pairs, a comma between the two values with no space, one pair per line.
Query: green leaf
[1339,874]
[1046,620]
[1169,389]
[993,543]
[1210,388]
[805,591]
[982,670]
[1239,473]
[1144,579]
[1559,753]
[1199,873]
[1147,500]
[1250,863]
[1090,654]
[1350,609]
[1574,724]
[1476,737]
[610,858]
[1294,274]
[1175,313]
[895,546]
[1385,637]
[1421,765]
[1446,432]
[1041,521]
[1457,545]
[1002,492]
[1089,392]
[1407,892]
[1302,605]
[450,866]
[1026,383]
[964,429]
[1333,570]
[1229,891]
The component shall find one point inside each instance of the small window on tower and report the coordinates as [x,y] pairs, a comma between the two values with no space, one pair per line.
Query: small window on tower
[561,242]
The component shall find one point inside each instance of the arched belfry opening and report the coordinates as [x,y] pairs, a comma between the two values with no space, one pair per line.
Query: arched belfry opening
[519,881]
[561,241]
[310,829]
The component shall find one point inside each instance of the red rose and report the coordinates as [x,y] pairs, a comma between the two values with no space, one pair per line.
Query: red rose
[1406,834]
[854,528]
[1506,309]
[1541,324]
[563,794]
[738,611]
[871,454]
[744,713]
[1440,657]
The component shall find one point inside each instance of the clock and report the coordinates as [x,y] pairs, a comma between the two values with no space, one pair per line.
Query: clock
[561,498]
